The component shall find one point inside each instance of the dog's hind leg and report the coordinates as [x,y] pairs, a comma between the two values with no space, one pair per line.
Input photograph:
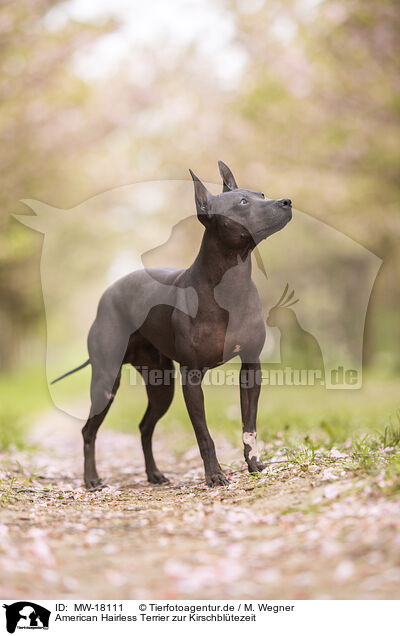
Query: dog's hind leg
[107,343]
[160,393]
[103,389]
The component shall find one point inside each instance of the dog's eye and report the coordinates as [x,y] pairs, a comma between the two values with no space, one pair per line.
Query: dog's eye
[243,201]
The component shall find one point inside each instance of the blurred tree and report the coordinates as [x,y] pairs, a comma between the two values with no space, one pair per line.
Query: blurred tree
[314,115]
[320,112]
[44,127]
[357,71]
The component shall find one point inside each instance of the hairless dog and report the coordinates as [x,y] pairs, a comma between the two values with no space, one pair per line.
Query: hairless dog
[200,317]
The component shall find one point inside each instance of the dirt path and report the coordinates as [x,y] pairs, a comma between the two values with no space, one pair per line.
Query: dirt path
[304,530]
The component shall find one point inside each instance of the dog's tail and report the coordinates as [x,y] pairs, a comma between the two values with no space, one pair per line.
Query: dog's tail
[81,366]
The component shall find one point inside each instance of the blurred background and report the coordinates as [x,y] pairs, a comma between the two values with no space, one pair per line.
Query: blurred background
[300,98]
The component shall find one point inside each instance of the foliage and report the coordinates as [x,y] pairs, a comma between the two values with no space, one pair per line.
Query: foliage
[315,110]
[46,119]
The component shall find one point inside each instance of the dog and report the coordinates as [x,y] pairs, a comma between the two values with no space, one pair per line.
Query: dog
[199,317]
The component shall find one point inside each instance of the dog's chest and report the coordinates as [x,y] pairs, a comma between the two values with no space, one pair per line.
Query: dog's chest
[219,338]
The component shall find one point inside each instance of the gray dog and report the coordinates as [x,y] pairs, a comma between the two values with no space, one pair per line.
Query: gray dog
[201,317]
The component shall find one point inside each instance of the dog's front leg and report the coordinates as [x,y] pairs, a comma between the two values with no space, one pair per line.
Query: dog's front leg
[250,383]
[194,399]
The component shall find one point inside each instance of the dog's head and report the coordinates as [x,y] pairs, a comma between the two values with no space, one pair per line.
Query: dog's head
[240,217]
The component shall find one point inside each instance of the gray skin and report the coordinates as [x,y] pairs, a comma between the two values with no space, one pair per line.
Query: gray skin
[152,317]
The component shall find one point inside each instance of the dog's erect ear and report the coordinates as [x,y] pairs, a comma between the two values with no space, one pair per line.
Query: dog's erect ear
[202,198]
[227,177]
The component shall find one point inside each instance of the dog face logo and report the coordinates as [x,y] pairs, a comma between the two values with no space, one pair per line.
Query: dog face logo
[26,615]
[90,246]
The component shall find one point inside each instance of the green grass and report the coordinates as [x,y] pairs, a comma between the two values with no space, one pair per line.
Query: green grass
[293,413]
[23,395]
[390,437]
[308,417]
[6,490]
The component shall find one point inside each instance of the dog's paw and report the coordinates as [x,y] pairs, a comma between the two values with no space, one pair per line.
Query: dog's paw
[217,479]
[157,478]
[94,484]
[255,466]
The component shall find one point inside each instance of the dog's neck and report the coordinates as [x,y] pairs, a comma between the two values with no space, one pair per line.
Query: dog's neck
[214,260]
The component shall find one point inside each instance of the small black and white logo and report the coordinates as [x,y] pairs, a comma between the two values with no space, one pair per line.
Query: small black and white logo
[26,615]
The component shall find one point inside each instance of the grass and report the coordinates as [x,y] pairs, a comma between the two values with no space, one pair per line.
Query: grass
[311,417]
[303,419]
[24,394]
[6,490]
[391,433]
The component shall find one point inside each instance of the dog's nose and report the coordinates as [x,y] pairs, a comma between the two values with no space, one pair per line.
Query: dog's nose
[286,203]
